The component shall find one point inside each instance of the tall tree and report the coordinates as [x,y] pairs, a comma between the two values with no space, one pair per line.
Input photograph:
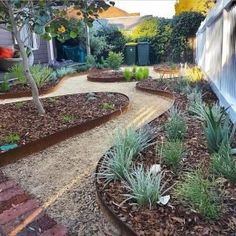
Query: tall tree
[202,6]
[48,19]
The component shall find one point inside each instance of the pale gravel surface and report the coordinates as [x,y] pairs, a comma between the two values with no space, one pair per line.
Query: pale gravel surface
[62,176]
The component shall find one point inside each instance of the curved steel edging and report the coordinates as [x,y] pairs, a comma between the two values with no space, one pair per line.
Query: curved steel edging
[13,155]
[41,91]
[92,78]
[125,229]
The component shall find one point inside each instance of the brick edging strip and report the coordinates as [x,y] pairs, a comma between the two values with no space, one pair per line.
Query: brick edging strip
[125,229]
[13,155]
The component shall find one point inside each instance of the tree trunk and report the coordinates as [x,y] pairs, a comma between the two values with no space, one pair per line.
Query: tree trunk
[88,48]
[27,73]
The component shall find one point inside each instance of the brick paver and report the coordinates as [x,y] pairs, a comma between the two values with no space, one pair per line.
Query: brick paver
[21,214]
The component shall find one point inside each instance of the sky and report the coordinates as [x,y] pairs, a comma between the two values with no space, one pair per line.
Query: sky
[161,8]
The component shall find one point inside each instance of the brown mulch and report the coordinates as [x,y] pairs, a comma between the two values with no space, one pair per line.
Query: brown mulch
[106,76]
[175,218]
[62,112]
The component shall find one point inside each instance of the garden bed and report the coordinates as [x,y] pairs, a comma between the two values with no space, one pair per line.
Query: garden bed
[65,116]
[106,76]
[22,90]
[175,218]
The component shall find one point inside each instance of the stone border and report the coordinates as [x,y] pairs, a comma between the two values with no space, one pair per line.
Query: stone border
[50,140]
[124,229]
[10,95]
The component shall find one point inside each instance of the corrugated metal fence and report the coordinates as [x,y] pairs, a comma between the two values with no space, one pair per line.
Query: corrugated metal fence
[216,54]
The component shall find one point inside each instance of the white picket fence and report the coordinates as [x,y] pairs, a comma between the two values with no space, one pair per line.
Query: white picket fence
[216,52]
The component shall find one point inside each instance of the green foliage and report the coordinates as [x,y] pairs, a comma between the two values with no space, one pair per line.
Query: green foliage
[224,164]
[18,71]
[127,74]
[65,71]
[141,73]
[114,60]
[116,164]
[172,153]
[200,193]
[19,104]
[145,72]
[218,130]
[12,138]
[5,85]
[195,100]
[91,61]
[68,118]
[144,188]
[175,127]
[133,140]
[41,74]
[145,30]
[107,106]
[194,74]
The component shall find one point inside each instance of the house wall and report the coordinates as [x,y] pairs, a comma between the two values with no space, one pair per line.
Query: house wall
[5,38]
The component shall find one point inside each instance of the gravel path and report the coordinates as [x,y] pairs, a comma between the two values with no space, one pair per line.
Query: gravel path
[62,176]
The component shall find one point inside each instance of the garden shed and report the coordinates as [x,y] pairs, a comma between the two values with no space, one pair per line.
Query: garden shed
[216,52]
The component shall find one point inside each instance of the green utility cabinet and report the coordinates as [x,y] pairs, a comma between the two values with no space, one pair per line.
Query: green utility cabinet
[131,53]
[143,49]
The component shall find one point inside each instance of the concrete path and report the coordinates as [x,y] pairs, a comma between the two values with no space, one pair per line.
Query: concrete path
[62,176]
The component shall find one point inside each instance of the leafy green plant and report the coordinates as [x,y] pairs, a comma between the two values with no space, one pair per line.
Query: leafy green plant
[91,61]
[12,138]
[68,118]
[5,85]
[200,193]
[41,74]
[224,164]
[114,60]
[218,130]
[172,153]
[175,127]
[195,101]
[145,73]
[144,188]
[107,106]
[116,164]
[65,71]
[127,74]
[139,74]
[18,71]
[133,140]
[19,104]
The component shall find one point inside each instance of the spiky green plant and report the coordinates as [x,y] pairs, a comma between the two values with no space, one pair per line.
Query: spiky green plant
[127,74]
[172,153]
[200,194]
[133,140]
[175,127]
[107,106]
[68,118]
[12,138]
[224,164]
[145,188]
[116,164]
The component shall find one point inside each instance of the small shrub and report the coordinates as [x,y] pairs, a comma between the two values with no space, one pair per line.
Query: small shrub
[114,60]
[172,153]
[68,118]
[91,61]
[194,74]
[127,74]
[116,164]
[107,106]
[19,104]
[65,71]
[145,73]
[12,138]
[200,193]
[175,127]
[18,71]
[5,85]
[224,164]
[144,188]
[139,74]
[41,74]
[195,101]
[133,140]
